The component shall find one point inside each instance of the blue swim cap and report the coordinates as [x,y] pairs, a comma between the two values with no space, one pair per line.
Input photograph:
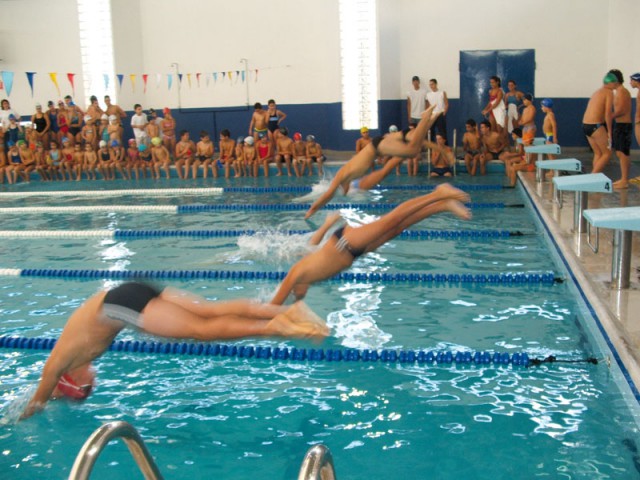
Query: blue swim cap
[547,102]
[115,143]
[142,148]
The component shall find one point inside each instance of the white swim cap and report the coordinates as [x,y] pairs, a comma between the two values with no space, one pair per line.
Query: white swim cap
[87,118]
[393,128]
[102,144]
[248,140]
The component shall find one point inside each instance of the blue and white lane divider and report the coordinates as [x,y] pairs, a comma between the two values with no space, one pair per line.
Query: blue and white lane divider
[205,208]
[419,278]
[114,193]
[141,234]
[421,357]
[216,190]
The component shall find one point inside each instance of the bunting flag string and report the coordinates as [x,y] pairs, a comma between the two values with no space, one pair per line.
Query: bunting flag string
[70,77]
[7,80]
[54,78]
[30,80]
[233,76]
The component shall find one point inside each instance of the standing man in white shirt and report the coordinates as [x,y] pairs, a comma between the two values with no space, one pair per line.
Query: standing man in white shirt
[139,124]
[439,99]
[416,101]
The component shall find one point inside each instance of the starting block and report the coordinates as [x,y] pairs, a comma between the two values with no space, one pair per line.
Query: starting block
[581,185]
[624,221]
[536,141]
[561,164]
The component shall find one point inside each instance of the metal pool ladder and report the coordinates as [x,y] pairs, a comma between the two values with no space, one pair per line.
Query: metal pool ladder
[99,439]
[317,463]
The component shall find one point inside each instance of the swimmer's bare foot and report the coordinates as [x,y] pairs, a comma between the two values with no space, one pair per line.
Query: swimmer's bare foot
[429,112]
[458,209]
[300,322]
[446,190]
[621,185]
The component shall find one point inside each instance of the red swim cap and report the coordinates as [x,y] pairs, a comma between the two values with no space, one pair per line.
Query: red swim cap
[297,136]
[70,389]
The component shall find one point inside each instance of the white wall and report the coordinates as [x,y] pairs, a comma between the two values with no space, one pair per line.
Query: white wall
[624,19]
[294,44]
[39,36]
[570,38]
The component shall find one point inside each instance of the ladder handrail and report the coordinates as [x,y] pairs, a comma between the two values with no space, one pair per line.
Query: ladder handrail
[99,439]
[317,464]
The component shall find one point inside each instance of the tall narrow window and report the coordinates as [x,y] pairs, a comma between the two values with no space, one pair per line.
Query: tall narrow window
[96,48]
[359,58]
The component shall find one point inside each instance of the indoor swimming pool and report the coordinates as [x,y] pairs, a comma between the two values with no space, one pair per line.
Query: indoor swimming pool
[491,284]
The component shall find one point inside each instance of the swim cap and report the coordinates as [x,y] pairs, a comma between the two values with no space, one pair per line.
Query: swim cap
[636,77]
[50,102]
[65,140]
[132,141]
[262,135]
[528,96]
[248,140]
[104,117]
[143,147]
[20,143]
[102,143]
[112,118]
[284,130]
[240,140]
[311,138]
[364,129]
[166,110]
[38,105]
[297,136]
[393,128]
[11,143]
[115,143]
[87,118]
[547,102]
[12,117]
[70,389]
[156,141]
[609,78]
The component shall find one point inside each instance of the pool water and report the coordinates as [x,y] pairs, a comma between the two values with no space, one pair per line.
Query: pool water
[212,416]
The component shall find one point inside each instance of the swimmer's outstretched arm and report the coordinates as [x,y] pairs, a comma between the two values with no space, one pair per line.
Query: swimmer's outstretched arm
[53,369]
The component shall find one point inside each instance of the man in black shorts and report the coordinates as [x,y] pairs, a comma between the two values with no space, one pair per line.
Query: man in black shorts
[622,129]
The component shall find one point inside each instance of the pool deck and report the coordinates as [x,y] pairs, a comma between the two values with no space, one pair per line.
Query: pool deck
[618,310]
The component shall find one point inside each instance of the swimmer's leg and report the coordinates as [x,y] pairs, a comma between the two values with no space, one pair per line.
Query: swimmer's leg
[599,144]
[374,234]
[319,234]
[374,178]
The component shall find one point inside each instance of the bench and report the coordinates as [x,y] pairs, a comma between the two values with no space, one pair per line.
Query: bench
[623,221]
[582,185]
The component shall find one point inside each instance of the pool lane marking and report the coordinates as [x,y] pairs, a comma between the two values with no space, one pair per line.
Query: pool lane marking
[115,193]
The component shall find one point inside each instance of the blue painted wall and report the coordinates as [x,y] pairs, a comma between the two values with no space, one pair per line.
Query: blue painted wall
[325,121]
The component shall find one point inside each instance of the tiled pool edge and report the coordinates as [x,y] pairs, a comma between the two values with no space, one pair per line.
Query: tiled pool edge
[614,337]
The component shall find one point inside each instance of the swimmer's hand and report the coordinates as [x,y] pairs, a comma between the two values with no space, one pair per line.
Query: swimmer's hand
[32,407]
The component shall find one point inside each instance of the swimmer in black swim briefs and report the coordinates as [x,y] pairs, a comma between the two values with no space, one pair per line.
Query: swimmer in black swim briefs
[167,312]
[590,128]
[348,243]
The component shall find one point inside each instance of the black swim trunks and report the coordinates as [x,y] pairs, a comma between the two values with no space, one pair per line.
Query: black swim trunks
[622,137]
[442,170]
[127,301]
[343,244]
[494,155]
[375,141]
[590,128]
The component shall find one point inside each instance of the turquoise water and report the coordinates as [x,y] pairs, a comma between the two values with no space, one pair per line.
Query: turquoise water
[229,417]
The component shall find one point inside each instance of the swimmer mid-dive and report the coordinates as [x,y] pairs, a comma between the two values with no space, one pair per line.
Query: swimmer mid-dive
[407,143]
[168,313]
[348,243]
